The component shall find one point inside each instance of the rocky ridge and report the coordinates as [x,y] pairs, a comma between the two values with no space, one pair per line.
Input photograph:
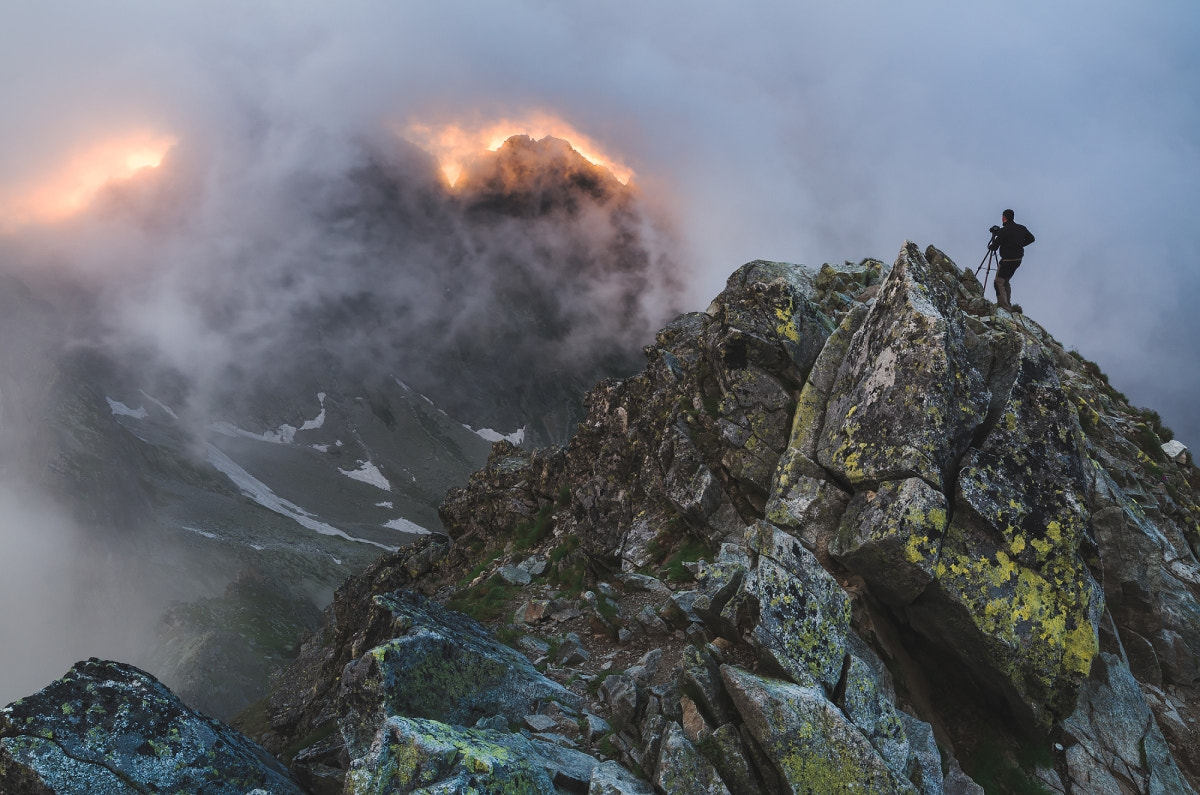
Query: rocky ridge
[850,530]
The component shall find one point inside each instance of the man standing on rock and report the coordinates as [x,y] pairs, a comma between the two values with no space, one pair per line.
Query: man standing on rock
[1010,240]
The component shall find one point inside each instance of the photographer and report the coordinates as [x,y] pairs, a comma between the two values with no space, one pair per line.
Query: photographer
[1010,241]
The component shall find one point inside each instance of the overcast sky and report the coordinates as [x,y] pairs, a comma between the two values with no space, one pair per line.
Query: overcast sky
[794,131]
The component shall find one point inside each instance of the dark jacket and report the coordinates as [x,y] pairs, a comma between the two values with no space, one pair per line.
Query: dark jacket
[1011,240]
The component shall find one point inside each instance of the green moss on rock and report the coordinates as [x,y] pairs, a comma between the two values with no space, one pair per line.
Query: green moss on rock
[812,745]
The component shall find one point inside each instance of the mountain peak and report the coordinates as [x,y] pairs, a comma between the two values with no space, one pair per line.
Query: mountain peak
[527,177]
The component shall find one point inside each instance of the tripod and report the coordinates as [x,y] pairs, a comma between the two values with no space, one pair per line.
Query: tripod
[991,259]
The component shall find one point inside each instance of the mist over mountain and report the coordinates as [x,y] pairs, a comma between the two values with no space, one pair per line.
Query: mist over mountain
[233,284]
[235,384]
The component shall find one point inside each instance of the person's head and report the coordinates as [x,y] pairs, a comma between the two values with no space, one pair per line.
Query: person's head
[1007,215]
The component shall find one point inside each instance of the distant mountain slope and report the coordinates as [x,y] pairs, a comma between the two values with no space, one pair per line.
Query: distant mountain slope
[276,410]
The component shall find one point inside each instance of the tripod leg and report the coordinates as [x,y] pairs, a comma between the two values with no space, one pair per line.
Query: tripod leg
[990,259]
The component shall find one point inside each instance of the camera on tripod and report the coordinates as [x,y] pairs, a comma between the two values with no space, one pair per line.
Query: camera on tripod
[990,258]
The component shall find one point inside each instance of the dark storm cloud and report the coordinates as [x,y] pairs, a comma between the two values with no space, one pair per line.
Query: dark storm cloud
[803,132]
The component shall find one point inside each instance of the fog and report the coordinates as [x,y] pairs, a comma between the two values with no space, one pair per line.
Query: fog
[799,132]
[65,597]
[789,131]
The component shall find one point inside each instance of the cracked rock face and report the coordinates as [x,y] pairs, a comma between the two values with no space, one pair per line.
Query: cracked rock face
[419,755]
[1012,584]
[440,665]
[814,746]
[906,401]
[109,729]
[892,536]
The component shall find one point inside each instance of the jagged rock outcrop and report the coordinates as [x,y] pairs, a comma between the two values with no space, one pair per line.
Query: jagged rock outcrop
[850,530]
[907,398]
[110,729]
[441,664]
[693,439]
[950,475]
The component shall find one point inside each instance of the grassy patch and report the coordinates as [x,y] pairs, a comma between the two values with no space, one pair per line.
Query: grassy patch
[571,577]
[324,731]
[690,551]
[508,635]
[1003,773]
[530,534]
[1149,443]
[252,721]
[568,545]
[484,602]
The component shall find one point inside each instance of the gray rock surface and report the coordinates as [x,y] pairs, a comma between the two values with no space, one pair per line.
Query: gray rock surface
[440,665]
[110,729]
[682,769]
[414,754]
[813,746]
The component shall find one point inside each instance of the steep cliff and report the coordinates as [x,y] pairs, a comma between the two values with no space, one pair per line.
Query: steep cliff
[849,530]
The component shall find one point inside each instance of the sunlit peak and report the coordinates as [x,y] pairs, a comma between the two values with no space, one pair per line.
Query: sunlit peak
[454,145]
[68,187]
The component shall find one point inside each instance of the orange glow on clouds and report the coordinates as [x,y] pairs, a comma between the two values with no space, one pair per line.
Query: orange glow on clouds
[72,185]
[455,145]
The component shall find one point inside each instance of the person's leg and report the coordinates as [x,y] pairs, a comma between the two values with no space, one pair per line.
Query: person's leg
[1002,293]
[1003,288]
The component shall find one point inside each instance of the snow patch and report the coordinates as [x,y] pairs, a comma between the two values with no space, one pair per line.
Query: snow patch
[258,491]
[516,437]
[283,435]
[119,409]
[406,526]
[319,420]
[367,473]
[410,390]
[200,532]
[160,404]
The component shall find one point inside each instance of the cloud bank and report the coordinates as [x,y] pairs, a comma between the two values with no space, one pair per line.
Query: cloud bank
[786,131]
